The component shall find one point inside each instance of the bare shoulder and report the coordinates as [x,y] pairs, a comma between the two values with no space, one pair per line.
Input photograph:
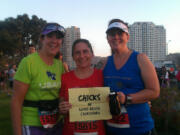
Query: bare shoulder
[142,57]
[143,60]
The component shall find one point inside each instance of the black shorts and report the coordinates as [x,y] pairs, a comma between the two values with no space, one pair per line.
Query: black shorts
[11,84]
[2,79]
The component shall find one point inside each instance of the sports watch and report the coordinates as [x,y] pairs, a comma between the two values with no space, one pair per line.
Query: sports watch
[128,100]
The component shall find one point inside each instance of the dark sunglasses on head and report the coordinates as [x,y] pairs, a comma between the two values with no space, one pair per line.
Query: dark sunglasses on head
[55,28]
[114,32]
[58,35]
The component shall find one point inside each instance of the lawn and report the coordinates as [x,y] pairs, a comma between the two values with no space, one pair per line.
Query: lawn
[5,120]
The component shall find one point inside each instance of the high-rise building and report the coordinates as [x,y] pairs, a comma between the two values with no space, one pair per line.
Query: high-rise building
[148,38]
[72,34]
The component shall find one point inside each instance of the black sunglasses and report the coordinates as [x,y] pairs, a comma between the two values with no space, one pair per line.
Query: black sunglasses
[56,28]
[59,35]
[113,32]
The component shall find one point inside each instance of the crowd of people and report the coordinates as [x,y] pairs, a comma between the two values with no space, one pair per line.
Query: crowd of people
[166,77]
[7,74]
[40,103]
[6,79]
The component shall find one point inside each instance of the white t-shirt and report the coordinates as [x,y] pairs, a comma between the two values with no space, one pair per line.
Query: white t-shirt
[167,75]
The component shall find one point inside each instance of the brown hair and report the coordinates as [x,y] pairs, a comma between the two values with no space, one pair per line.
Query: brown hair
[83,41]
[117,20]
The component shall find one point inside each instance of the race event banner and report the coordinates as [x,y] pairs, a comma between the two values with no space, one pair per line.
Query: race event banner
[89,104]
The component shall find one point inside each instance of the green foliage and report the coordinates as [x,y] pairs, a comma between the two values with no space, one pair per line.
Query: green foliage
[166,111]
[17,33]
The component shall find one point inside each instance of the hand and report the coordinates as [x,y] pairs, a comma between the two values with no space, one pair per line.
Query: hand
[64,107]
[149,103]
[121,97]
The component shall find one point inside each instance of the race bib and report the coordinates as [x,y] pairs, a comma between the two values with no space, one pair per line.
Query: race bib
[48,118]
[86,128]
[120,121]
[48,112]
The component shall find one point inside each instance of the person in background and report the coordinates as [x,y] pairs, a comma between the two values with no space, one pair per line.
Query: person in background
[83,76]
[167,79]
[11,74]
[60,57]
[163,74]
[133,77]
[2,81]
[6,71]
[31,49]
[34,103]
[178,78]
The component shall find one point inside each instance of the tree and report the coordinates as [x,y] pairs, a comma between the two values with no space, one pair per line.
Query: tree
[17,33]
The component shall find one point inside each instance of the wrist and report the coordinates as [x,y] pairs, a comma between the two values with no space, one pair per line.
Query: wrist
[128,100]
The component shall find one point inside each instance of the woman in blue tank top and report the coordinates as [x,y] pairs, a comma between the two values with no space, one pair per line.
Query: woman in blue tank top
[133,77]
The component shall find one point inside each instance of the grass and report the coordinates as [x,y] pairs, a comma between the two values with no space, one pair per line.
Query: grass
[5,119]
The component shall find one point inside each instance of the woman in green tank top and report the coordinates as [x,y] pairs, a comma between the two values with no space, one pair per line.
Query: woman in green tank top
[37,84]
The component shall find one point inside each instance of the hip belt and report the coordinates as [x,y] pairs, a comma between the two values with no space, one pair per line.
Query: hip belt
[42,104]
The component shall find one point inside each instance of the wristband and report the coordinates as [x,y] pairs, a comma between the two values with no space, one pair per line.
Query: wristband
[128,100]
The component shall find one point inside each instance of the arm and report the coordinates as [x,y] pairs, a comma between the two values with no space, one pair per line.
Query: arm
[151,83]
[64,105]
[65,67]
[20,90]
[104,62]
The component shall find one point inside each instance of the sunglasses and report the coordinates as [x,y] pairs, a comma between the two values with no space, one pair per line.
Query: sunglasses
[58,35]
[114,32]
[54,28]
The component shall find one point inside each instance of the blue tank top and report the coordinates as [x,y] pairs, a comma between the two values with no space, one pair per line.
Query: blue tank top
[128,80]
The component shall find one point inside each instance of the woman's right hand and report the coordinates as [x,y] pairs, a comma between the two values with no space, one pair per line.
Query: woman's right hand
[64,107]
[121,97]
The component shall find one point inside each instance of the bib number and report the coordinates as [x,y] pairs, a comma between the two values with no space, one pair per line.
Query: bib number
[89,128]
[120,121]
[48,118]
[48,113]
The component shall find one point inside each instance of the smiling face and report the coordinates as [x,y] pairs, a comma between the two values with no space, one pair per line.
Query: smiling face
[82,55]
[51,43]
[117,39]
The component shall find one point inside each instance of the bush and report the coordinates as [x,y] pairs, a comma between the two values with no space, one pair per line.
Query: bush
[166,111]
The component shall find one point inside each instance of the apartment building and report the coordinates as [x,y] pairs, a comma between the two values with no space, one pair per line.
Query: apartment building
[72,33]
[148,38]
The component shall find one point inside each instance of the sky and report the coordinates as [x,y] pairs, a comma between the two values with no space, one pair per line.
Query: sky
[92,16]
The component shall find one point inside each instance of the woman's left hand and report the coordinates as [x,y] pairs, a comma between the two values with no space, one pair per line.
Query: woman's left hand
[64,107]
